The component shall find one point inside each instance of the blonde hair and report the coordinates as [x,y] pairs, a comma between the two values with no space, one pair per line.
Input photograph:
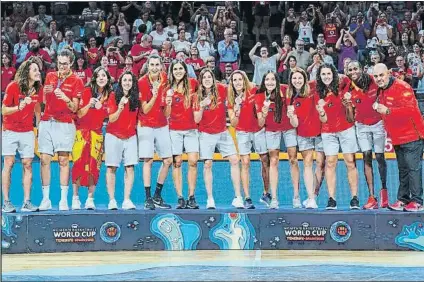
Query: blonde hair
[231,92]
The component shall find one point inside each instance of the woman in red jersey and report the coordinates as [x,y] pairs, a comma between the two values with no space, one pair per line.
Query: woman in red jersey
[336,132]
[304,117]
[81,70]
[179,93]
[93,53]
[241,110]
[210,114]
[7,72]
[121,137]
[20,102]
[271,110]
[87,153]
[62,91]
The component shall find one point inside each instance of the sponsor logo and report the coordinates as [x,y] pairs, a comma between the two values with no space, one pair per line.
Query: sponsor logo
[411,236]
[74,234]
[305,233]
[340,231]
[110,232]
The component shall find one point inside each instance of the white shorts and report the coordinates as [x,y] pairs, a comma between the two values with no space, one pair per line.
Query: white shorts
[151,139]
[290,138]
[369,135]
[117,149]
[184,139]
[245,140]
[23,142]
[310,143]
[346,139]
[223,141]
[55,136]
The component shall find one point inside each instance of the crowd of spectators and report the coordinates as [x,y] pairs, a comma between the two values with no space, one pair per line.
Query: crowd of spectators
[122,35]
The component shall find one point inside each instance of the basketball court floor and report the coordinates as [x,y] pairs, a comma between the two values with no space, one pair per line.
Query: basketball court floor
[209,265]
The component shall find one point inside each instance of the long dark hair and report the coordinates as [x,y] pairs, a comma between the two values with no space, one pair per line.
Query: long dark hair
[133,93]
[201,91]
[276,93]
[93,84]
[186,84]
[321,88]
[22,76]
[364,81]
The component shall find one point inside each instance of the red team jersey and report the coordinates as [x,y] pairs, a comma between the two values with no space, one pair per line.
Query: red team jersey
[94,118]
[125,126]
[214,120]
[307,115]
[55,108]
[20,121]
[156,117]
[363,101]
[331,33]
[181,118]
[270,123]
[248,121]
[136,50]
[113,61]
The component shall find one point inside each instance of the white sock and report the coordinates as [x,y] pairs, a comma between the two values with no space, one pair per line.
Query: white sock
[64,193]
[90,195]
[46,192]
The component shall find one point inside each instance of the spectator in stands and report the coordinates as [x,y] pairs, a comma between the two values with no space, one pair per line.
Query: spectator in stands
[102,25]
[201,14]
[141,32]
[327,59]
[406,46]
[204,30]
[113,34]
[140,52]
[170,28]
[210,63]
[382,30]
[390,59]
[228,50]
[418,14]
[21,48]
[167,54]
[182,25]
[6,48]
[93,53]
[181,44]
[415,64]
[195,61]
[205,48]
[9,31]
[164,9]
[144,19]
[402,72]
[124,29]
[91,13]
[182,56]
[43,20]
[81,69]
[227,74]
[331,28]
[158,35]
[348,49]
[54,33]
[304,27]
[312,70]
[291,65]
[262,12]
[60,14]
[285,50]
[360,30]
[69,41]
[128,66]
[7,72]
[303,58]
[288,24]
[184,15]
[375,58]
[404,27]
[19,14]
[29,27]
[113,53]
[82,31]
[263,64]
[113,16]
[36,51]
[220,23]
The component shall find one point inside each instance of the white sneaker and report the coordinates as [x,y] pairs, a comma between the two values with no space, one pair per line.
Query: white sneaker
[128,205]
[305,202]
[311,204]
[238,202]
[112,205]
[273,204]
[63,205]
[89,204]
[296,203]
[210,204]
[45,205]
[76,203]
